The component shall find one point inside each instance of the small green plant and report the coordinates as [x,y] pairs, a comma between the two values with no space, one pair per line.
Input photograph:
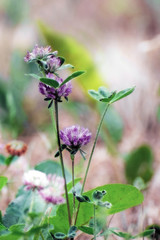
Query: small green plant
[49,205]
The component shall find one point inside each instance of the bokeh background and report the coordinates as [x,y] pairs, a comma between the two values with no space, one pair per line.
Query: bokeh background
[118,44]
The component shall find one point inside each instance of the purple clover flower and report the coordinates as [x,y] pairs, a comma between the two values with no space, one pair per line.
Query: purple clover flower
[75,136]
[54,192]
[38,53]
[53,93]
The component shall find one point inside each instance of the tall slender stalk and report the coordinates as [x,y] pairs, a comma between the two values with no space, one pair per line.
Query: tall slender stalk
[61,160]
[41,234]
[90,158]
[94,214]
[72,158]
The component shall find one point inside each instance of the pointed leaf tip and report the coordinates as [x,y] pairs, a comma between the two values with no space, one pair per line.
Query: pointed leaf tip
[73,75]
[122,94]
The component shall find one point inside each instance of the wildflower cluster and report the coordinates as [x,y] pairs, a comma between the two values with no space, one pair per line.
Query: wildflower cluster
[53,188]
[50,187]
[49,64]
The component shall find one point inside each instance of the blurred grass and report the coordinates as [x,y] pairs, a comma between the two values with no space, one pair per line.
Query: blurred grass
[16,11]
[75,54]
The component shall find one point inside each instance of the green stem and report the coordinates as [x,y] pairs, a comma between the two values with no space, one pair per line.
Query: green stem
[94,214]
[61,160]
[94,145]
[42,235]
[72,158]
[90,158]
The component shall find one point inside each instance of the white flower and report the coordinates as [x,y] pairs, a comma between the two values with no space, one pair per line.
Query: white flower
[34,179]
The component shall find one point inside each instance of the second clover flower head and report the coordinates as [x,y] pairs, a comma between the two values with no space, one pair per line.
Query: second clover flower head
[37,53]
[75,136]
[47,60]
[50,187]
[54,192]
[53,93]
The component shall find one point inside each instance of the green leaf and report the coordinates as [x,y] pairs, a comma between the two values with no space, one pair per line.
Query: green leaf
[87,230]
[122,94]
[51,82]
[66,66]
[124,235]
[50,166]
[94,94]
[146,233]
[138,163]
[17,209]
[10,236]
[33,76]
[17,228]
[3,181]
[73,75]
[109,98]
[103,95]
[108,231]
[72,231]
[121,197]
[103,91]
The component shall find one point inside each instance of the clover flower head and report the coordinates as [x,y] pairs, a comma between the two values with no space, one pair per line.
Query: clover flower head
[54,192]
[38,53]
[75,136]
[34,179]
[16,148]
[53,93]
[53,63]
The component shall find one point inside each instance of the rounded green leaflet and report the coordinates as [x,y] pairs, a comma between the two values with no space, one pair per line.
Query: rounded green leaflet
[121,197]
[139,164]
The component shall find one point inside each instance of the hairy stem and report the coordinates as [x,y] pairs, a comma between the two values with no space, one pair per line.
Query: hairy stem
[90,158]
[61,160]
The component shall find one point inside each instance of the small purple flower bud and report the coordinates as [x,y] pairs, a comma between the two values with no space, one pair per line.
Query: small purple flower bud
[53,93]
[75,136]
[54,192]
[38,53]
[53,63]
